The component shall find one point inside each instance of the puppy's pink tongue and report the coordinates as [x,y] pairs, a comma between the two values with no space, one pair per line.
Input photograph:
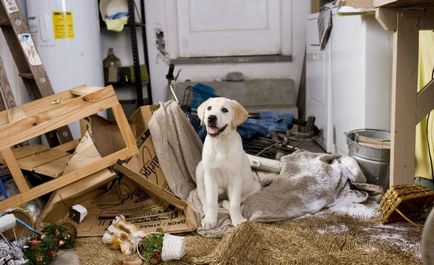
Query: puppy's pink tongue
[213,130]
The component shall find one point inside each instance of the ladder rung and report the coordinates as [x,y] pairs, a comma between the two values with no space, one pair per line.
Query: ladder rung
[27,75]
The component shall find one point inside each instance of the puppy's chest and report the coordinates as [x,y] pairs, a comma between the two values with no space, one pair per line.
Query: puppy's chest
[220,159]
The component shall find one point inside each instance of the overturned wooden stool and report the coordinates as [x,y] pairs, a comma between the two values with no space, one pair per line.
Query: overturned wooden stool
[30,120]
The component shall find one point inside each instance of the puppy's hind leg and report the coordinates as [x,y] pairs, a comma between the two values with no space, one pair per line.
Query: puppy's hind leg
[234,194]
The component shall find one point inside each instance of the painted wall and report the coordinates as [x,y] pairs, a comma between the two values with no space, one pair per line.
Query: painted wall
[158,14]
[161,15]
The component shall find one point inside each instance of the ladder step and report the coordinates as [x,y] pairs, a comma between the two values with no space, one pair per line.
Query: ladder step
[26,75]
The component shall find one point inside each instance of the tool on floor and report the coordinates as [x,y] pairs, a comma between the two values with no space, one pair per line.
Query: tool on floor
[29,65]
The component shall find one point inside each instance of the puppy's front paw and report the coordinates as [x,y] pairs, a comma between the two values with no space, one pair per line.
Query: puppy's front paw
[209,222]
[237,221]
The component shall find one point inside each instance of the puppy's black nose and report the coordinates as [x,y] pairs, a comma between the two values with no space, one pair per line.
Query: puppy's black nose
[212,118]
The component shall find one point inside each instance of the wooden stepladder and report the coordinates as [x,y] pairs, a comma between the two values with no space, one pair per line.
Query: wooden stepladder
[29,65]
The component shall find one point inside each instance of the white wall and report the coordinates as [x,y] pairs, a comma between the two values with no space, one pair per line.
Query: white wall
[156,16]
[17,85]
[161,14]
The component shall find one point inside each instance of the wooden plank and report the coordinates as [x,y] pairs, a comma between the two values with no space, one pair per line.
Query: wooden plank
[15,170]
[123,125]
[427,19]
[16,114]
[46,121]
[26,150]
[66,147]
[391,3]
[387,18]
[84,90]
[6,91]
[47,103]
[404,95]
[150,187]
[67,179]
[425,101]
[33,161]
[54,168]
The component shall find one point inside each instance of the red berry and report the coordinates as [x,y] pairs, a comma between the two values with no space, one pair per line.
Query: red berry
[156,255]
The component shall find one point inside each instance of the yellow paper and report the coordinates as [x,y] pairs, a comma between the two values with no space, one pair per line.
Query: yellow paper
[426,64]
[63,25]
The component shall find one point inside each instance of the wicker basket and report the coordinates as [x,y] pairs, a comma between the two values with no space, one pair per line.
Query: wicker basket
[410,199]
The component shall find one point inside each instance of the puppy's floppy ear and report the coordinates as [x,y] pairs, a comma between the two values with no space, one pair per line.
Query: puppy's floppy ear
[201,111]
[240,114]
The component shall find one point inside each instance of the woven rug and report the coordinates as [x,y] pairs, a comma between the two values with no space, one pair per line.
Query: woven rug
[325,240]
[317,239]
[92,251]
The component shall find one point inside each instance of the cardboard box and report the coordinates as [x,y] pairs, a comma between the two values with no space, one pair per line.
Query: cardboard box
[147,202]
[141,210]
[107,139]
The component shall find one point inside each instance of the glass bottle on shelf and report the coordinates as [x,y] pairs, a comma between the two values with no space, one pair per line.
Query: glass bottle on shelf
[112,65]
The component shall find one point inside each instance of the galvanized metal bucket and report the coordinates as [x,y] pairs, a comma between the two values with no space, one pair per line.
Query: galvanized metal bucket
[374,162]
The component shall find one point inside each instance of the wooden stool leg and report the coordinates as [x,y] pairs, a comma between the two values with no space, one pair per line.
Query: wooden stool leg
[124,127]
[15,170]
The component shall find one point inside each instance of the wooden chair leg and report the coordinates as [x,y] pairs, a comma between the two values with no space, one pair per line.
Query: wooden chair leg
[15,170]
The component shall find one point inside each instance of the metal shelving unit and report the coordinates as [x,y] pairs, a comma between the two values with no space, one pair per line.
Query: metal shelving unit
[138,83]
[135,51]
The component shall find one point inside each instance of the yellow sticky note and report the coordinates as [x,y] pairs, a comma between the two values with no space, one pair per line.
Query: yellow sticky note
[63,25]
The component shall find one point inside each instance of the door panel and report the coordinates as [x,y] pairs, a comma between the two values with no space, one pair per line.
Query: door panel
[317,85]
[228,27]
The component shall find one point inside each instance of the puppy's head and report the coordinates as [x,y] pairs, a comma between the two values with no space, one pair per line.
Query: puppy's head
[221,115]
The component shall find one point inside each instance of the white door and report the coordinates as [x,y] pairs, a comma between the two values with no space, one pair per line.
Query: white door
[318,94]
[229,27]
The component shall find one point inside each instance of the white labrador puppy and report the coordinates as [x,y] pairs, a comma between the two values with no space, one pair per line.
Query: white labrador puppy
[224,169]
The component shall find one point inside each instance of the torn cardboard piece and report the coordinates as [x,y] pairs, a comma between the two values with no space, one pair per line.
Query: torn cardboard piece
[144,214]
[181,220]
[108,139]
[85,154]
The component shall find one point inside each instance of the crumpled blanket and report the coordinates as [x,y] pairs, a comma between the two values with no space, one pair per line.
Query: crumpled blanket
[178,147]
[307,183]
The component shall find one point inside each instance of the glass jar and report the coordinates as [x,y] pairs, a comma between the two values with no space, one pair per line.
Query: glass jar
[112,65]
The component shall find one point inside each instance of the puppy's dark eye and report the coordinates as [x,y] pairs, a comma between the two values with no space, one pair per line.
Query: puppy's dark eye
[224,110]
[209,108]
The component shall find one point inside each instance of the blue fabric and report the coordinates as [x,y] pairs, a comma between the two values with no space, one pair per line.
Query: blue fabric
[118,15]
[268,121]
[3,190]
[201,93]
